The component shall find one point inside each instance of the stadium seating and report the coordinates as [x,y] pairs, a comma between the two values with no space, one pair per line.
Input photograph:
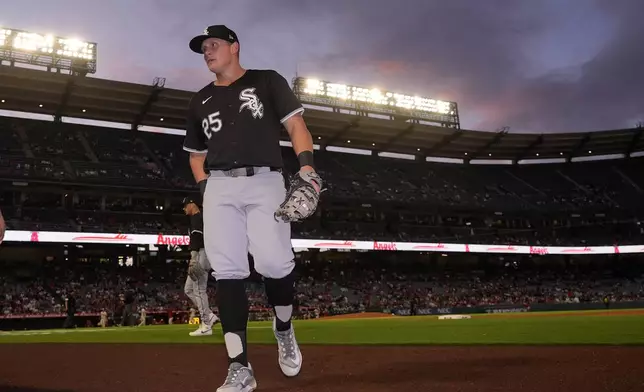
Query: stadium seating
[92,179]
[109,174]
[341,286]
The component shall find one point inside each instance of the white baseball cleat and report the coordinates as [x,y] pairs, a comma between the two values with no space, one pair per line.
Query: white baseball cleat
[289,354]
[239,379]
[205,328]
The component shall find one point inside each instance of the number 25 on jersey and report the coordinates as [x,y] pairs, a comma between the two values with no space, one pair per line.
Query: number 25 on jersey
[211,124]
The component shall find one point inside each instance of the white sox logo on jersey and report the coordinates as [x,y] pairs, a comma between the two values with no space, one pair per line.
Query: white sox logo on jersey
[251,102]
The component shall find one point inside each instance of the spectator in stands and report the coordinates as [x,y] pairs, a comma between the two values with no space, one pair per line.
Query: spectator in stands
[384,280]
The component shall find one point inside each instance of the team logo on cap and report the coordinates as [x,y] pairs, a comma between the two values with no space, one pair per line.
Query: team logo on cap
[205,31]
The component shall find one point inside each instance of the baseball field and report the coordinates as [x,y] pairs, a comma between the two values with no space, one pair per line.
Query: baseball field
[576,351]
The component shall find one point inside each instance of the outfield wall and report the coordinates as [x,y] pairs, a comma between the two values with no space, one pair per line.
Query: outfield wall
[56,320]
[537,307]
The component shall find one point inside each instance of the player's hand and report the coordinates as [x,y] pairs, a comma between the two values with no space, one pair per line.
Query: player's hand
[195,270]
[302,197]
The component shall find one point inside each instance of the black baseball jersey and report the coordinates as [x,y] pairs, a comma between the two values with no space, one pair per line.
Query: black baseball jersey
[196,232]
[240,125]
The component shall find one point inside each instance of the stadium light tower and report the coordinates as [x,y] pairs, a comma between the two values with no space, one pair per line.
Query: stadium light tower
[54,53]
[360,99]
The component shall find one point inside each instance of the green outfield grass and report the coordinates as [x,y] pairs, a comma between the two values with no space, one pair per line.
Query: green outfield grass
[424,330]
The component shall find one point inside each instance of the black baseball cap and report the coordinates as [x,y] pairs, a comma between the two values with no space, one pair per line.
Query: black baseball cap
[215,31]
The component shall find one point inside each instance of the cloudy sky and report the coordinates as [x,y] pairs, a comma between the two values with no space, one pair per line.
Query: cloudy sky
[532,65]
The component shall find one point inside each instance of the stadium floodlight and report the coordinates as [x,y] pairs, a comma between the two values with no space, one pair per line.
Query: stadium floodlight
[47,50]
[374,100]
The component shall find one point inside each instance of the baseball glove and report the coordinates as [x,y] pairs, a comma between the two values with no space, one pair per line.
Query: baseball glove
[195,270]
[301,199]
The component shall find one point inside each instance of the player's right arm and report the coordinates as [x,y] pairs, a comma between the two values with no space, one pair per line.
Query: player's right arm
[195,144]
[197,162]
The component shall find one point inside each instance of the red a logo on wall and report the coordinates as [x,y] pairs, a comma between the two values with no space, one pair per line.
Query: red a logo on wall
[384,245]
[536,250]
[173,240]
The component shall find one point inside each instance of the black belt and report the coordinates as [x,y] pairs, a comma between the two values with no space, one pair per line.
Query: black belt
[248,171]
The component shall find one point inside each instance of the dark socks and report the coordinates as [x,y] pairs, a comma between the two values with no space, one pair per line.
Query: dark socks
[233,312]
[280,293]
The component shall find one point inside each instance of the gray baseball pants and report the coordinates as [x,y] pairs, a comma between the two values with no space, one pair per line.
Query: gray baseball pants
[239,219]
[197,290]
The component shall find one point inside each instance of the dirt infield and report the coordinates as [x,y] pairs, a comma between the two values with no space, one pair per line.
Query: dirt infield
[201,368]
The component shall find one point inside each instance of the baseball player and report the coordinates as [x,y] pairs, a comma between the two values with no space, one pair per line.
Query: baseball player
[103,321]
[197,280]
[233,131]
[142,317]
[70,309]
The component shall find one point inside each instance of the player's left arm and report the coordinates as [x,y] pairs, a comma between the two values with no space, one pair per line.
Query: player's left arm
[289,110]
[301,140]
[304,192]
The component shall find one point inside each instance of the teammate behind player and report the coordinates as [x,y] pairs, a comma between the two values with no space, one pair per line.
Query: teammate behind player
[197,280]
[236,122]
